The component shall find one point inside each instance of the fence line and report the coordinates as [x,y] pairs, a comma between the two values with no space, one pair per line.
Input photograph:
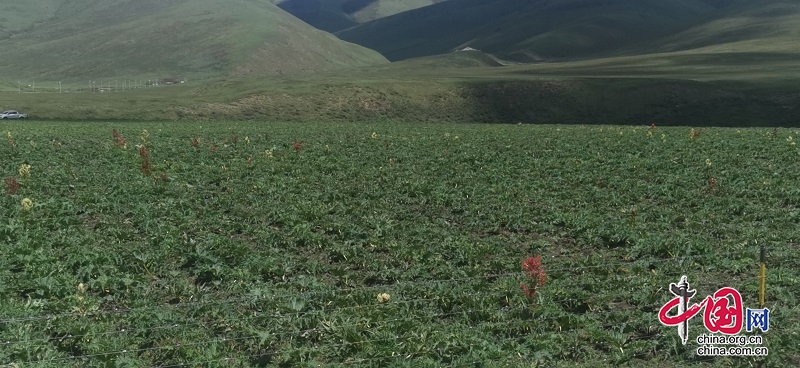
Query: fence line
[294,295]
[44,341]
[250,337]
[317,329]
[304,314]
[370,325]
[90,86]
[245,318]
[266,316]
[346,362]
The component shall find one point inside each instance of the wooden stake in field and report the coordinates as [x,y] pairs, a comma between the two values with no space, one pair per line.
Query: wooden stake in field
[762,290]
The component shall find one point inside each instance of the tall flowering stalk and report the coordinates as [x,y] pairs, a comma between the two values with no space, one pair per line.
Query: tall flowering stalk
[119,140]
[144,154]
[712,188]
[145,137]
[532,268]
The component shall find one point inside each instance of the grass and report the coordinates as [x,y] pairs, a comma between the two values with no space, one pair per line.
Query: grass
[630,91]
[249,251]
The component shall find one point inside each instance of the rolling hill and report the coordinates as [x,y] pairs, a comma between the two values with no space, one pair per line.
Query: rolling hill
[93,39]
[533,30]
[336,15]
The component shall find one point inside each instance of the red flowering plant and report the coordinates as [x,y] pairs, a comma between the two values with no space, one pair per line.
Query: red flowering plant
[712,188]
[12,185]
[532,268]
[297,146]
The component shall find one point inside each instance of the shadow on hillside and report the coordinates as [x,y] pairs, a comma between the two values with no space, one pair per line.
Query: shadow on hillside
[626,101]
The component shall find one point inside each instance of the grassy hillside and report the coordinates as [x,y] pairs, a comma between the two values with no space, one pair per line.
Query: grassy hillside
[695,77]
[763,27]
[630,92]
[336,15]
[368,10]
[456,59]
[327,15]
[18,16]
[531,30]
[150,39]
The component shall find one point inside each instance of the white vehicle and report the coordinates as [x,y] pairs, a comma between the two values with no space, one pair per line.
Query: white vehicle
[12,115]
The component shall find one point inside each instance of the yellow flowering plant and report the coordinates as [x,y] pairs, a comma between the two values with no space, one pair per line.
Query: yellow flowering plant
[24,170]
[384,298]
[10,139]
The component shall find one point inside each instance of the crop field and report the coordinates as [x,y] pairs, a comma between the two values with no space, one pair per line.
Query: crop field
[374,245]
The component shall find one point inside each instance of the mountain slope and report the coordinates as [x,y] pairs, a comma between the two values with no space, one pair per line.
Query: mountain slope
[766,26]
[530,30]
[336,15]
[19,15]
[94,39]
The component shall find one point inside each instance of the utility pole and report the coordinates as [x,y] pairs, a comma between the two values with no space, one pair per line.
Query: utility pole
[34,86]
[19,87]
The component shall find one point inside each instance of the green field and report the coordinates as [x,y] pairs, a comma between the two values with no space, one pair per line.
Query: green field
[249,250]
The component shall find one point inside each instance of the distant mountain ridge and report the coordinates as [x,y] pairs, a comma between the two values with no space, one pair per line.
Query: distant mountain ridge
[336,15]
[95,39]
[552,30]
